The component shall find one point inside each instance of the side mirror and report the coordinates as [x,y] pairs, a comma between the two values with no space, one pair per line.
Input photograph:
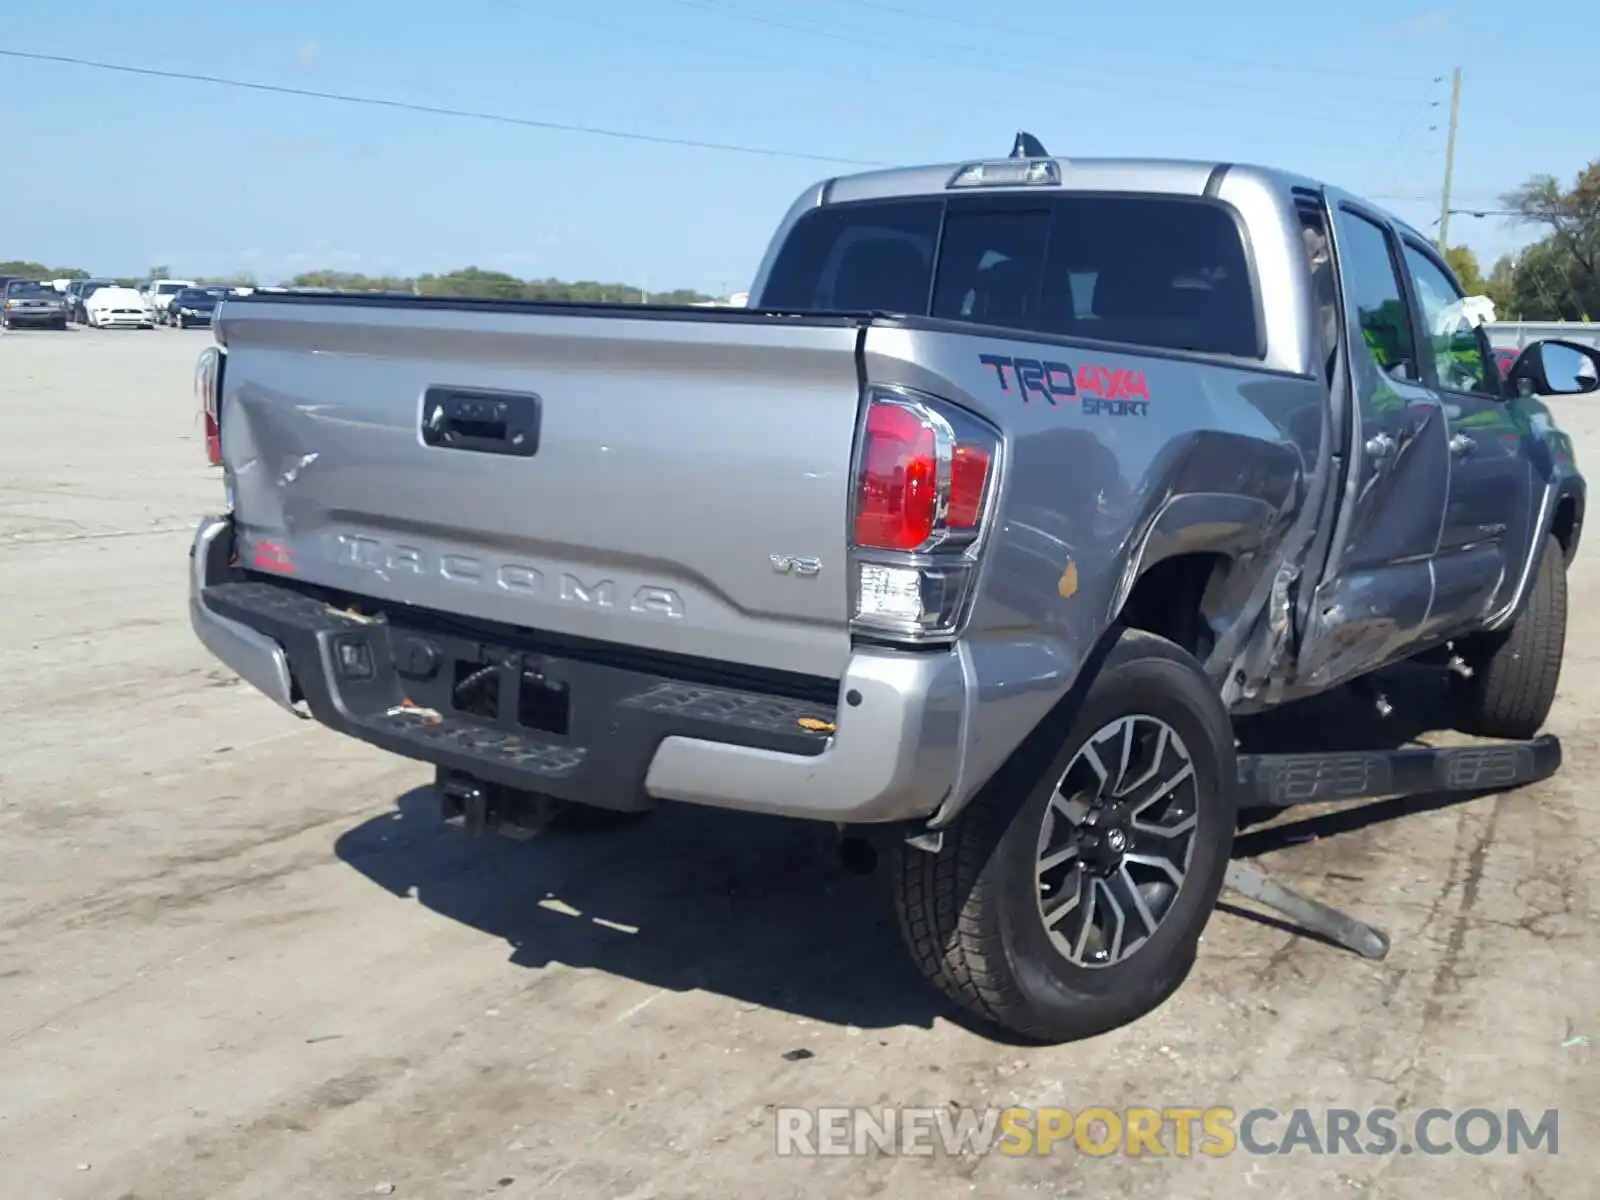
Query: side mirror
[1557,368]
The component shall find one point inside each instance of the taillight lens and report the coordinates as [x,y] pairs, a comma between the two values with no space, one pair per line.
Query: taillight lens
[925,474]
[208,395]
[969,474]
[213,441]
[898,489]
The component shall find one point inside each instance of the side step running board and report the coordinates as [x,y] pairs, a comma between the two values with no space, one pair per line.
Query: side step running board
[1356,776]
[1284,780]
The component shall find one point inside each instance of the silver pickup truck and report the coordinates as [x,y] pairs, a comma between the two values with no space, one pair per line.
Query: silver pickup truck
[1019,481]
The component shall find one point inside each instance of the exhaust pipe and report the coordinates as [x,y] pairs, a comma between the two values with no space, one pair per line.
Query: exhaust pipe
[857,855]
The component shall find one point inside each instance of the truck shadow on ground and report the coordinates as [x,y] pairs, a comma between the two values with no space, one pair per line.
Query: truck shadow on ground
[757,909]
[753,908]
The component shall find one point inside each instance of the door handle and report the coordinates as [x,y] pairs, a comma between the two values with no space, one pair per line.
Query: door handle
[1462,444]
[484,422]
[1380,445]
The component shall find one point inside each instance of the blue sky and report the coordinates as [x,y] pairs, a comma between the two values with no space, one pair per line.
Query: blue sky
[116,173]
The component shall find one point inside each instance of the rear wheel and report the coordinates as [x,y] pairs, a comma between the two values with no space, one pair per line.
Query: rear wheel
[1515,671]
[1069,896]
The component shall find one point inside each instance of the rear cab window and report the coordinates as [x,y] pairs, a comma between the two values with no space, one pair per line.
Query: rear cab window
[1168,272]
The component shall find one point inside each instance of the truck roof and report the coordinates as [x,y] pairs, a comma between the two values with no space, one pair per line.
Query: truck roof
[1175,175]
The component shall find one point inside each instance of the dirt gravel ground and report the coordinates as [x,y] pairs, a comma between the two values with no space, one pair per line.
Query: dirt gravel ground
[240,956]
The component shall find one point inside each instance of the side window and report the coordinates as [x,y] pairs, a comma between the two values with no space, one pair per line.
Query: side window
[989,266]
[1374,288]
[858,257]
[1460,356]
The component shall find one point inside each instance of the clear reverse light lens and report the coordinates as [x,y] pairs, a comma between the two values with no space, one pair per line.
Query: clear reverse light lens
[891,594]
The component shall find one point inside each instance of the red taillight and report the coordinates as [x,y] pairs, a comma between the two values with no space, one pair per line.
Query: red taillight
[969,471]
[923,493]
[898,495]
[213,441]
[208,396]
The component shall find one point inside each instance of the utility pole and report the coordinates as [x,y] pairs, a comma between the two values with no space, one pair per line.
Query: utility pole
[1449,161]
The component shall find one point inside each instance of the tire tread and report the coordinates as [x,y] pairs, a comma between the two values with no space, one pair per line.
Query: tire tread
[1511,694]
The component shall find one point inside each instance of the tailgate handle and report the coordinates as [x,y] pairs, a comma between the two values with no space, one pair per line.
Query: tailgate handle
[483,422]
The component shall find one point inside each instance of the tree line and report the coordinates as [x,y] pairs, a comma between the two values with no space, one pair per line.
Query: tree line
[497,285]
[1557,278]
[469,281]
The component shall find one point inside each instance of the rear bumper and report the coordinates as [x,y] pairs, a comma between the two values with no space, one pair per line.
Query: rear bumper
[886,748]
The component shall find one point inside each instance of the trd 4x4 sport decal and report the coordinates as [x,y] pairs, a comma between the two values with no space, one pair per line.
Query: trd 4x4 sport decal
[1099,389]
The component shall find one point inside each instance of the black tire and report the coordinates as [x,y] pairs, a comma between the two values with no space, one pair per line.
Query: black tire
[972,913]
[1515,671]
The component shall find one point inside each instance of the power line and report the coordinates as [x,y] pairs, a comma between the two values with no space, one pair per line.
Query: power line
[991,28]
[434,109]
[467,114]
[975,58]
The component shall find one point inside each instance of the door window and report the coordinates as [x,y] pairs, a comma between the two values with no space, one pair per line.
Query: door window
[1460,354]
[1373,284]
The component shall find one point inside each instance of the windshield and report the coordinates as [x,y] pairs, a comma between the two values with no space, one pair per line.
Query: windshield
[27,288]
[195,296]
[91,288]
[167,289]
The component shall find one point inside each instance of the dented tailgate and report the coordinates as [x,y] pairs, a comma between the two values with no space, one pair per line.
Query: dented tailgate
[645,479]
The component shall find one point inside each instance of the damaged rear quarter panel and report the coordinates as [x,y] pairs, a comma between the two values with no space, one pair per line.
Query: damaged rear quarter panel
[1215,461]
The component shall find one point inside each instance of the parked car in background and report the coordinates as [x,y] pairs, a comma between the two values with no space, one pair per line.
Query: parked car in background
[194,307]
[78,291]
[33,303]
[158,294]
[115,307]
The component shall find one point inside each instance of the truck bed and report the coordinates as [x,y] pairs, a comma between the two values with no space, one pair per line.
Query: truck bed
[633,475]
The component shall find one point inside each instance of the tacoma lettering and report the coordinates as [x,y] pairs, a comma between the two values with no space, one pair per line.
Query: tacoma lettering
[370,554]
